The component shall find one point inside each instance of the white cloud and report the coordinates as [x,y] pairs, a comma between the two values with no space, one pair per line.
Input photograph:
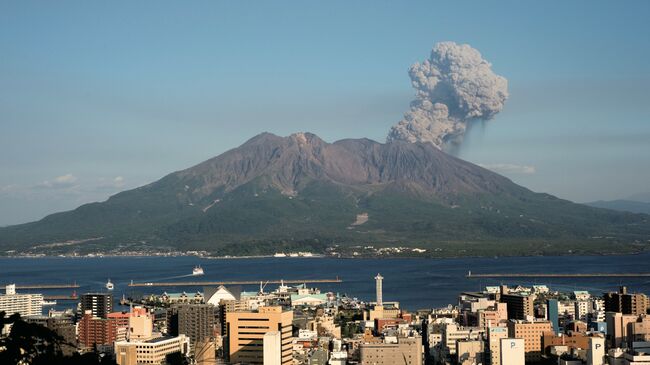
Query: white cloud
[59,182]
[118,182]
[508,168]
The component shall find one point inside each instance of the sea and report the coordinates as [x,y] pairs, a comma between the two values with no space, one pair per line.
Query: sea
[415,283]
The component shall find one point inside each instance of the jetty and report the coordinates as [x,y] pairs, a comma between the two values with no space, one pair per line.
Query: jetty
[244,282]
[60,297]
[45,286]
[471,275]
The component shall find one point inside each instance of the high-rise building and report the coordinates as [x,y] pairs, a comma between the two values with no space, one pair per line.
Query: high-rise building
[23,304]
[531,333]
[520,305]
[553,314]
[512,351]
[117,326]
[197,321]
[407,351]
[495,334]
[618,328]
[626,303]
[99,304]
[378,287]
[272,344]
[246,330]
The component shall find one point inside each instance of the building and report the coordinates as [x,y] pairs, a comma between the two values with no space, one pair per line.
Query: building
[152,351]
[471,352]
[531,333]
[272,344]
[596,351]
[407,351]
[626,303]
[63,326]
[512,351]
[246,330]
[94,331]
[23,304]
[197,321]
[379,289]
[214,295]
[99,304]
[520,305]
[553,314]
[451,333]
[570,341]
[495,334]
[617,328]
[118,326]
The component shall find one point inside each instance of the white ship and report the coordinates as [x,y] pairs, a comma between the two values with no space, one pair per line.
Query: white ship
[109,285]
[198,270]
[48,303]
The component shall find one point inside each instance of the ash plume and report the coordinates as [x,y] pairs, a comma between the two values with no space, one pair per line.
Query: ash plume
[454,88]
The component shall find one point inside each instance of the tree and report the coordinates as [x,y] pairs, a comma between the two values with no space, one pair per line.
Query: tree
[33,344]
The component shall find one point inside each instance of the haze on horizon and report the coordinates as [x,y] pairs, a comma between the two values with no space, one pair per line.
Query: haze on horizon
[96,98]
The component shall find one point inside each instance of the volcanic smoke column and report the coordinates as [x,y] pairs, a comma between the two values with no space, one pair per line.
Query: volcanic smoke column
[378,280]
[454,88]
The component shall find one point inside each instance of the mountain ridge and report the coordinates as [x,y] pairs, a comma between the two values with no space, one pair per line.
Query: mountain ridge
[300,191]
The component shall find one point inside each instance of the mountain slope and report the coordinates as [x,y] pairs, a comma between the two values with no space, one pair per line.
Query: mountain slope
[622,205]
[301,192]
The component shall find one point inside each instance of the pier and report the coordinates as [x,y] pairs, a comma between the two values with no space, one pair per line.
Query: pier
[45,286]
[245,282]
[60,297]
[470,275]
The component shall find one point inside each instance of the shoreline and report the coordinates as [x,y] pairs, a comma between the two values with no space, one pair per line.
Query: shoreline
[318,256]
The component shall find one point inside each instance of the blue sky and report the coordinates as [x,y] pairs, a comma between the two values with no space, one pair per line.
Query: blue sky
[97,97]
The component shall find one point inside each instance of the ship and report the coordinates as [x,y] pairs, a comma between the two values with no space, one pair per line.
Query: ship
[49,302]
[109,285]
[198,270]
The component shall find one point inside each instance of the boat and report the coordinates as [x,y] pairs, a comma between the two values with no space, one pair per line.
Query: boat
[48,303]
[198,270]
[109,285]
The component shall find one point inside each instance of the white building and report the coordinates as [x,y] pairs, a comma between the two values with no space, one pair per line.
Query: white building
[153,351]
[220,294]
[596,352]
[272,344]
[24,304]
[512,351]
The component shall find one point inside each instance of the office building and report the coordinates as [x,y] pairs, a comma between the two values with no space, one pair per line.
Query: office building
[246,330]
[626,303]
[553,314]
[531,333]
[23,304]
[512,351]
[99,304]
[494,336]
[520,305]
[152,351]
[407,351]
